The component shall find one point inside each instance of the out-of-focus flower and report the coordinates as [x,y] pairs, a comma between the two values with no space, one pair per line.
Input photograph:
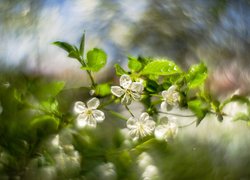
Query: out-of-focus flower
[171,98]
[141,127]
[88,115]
[166,130]
[128,90]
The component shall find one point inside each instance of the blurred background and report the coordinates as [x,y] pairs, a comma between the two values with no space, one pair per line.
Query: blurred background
[215,31]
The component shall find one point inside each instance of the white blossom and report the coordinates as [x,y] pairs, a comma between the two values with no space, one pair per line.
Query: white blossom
[139,128]
[171,98]
[88,115]
[128,90]
[166,130]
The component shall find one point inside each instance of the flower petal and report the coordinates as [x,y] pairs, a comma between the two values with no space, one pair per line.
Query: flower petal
[150,126]
[165,94]
[172,88]
[125,81]
[137,87]
[126,99]
[117,91]
[164,106]
[160,132]
[131,123]
[81,120]
[93,103]
[91,122]
[79,107]
[144,117]
[98,115]
[135,96]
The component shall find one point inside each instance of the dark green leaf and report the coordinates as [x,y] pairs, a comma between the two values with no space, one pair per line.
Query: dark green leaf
[119,70]
[45,122]
[134,64]
[196,75]
[161,67]
[82,44]
[96,59]
[66,46]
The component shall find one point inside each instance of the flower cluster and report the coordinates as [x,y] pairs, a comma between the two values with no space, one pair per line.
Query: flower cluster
[144,126]
[88,115]
[140,127]
[128,90]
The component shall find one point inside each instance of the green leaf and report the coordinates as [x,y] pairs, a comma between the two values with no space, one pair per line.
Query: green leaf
[199,108]
[196,76]
[96,59]
[82,44]
[161,67]
[66,46]
[119,70]
[74,54]
[102,90]
[134,64]
[45,91]
[43,122]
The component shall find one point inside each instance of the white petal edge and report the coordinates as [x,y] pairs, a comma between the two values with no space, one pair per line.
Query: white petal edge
[125,81]
[93,103]
[98,115]
[117,91]
[79,107]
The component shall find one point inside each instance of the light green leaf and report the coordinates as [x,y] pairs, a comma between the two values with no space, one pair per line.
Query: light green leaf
[134,64]
[119,70]
[96,59]
[196,76]
[102,90]
[161,67]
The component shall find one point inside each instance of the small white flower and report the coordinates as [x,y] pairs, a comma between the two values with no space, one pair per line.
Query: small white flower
[128,90]
[141,127]
[171,98]
[88,116]
[166,131]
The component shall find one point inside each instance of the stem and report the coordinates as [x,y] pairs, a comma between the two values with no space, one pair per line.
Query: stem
[174,114]
[81,60]
[129,111]
[187,124]
[115,114]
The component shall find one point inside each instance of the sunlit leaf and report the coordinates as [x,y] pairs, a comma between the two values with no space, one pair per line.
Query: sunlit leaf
[96,59]
[134,64]
[196,75]
[161,67]
[102,90]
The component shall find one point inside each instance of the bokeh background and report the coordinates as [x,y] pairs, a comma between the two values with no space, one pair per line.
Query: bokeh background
[215,31]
